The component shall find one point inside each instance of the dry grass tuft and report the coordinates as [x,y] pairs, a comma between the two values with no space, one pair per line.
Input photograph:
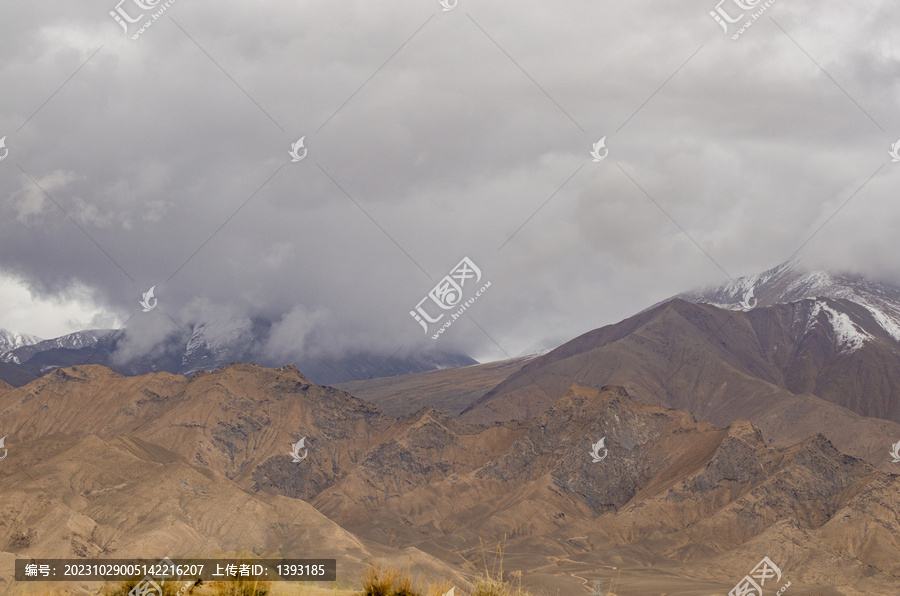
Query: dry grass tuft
[390,581]
[493,584]
[122,589]
[242,587]
[387,581]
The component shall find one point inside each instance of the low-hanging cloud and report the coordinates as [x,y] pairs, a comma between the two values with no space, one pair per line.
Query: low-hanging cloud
[432,136]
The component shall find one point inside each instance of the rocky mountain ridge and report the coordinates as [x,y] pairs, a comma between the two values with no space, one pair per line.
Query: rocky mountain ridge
[206,346]
[668,494]
[10,341]
[791,282]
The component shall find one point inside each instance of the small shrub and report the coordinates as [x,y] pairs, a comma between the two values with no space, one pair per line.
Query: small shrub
[122,589]
[389,581]
[490,587]
[492,584]
[241,587]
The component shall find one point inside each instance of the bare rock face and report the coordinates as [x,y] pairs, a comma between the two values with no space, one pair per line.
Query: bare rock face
[695,492]
[816,365]
[68,496]
[149,463]
[202,346]
[719,364]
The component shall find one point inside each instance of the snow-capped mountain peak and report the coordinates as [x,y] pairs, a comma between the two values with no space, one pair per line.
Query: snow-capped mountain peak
[72,341]
[790,282]
[215,343]
[10,341]
[847,334]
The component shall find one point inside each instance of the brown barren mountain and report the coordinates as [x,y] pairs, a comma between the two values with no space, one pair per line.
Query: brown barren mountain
[449,390]
[782,367]
[239,421]
[706,360]
[674,496]
[104,465]
[67,496]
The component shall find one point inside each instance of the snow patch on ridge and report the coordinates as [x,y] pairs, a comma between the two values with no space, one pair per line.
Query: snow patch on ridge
[72,341]
[848,336]
[789,283]
[218,338]
[10,340]
[887,323]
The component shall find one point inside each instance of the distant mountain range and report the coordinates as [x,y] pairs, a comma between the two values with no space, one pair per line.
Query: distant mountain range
[10,341]
[206,346]
[832,336]
[847,312]
[125,466]
[675,448]
[789,283]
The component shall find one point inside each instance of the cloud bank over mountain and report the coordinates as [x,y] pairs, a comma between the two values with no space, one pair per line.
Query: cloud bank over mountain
[432,136]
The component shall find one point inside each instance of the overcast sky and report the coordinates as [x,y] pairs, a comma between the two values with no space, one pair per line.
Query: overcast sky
[433,135]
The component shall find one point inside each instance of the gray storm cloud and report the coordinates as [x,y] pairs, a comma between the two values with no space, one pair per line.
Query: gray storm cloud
[432,136]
